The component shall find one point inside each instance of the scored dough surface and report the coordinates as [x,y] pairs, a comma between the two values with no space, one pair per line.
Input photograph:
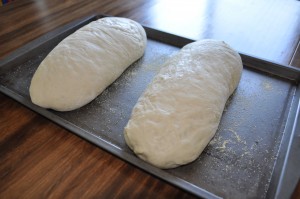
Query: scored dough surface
[179,112]
[81,66]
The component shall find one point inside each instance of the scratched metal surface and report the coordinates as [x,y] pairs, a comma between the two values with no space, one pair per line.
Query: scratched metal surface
[237,163]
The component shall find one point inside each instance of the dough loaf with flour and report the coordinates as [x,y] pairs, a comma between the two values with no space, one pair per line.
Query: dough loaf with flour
[179,112]
[81,66]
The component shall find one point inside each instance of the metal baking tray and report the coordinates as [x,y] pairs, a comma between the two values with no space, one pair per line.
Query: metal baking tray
[255,152]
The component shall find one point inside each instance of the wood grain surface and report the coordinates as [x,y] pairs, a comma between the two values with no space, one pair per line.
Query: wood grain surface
[39,159]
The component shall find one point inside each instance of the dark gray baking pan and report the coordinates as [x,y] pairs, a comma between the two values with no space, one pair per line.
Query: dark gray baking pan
[255,152]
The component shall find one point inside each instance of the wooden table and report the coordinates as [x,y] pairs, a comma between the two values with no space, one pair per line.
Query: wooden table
[39,159]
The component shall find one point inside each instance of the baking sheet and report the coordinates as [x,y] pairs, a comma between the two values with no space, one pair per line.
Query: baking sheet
[246,157]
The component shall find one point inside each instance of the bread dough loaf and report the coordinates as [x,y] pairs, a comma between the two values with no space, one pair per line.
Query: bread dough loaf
[180,111]
[81,66]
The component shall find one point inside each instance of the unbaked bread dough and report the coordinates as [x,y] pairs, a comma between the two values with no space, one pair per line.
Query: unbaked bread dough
[81,66]
[179,112]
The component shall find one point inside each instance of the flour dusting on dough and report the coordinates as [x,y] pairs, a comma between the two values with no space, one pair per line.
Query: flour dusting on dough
[179,112]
